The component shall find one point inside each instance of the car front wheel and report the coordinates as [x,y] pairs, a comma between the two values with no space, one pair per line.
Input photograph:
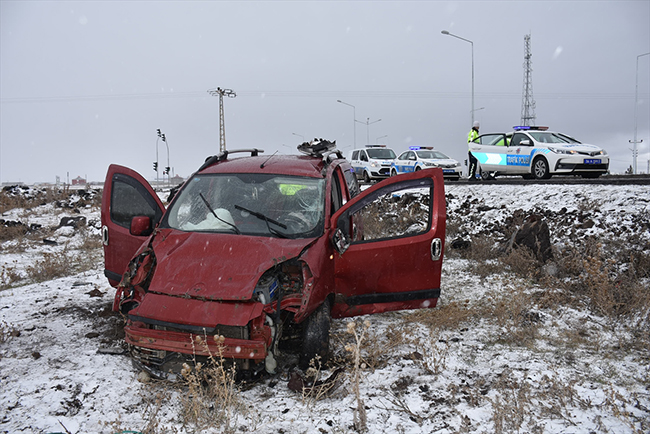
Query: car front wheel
[366,177]
[316,336]
[540,168]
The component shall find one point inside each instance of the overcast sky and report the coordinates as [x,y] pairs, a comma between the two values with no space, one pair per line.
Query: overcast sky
[86,84]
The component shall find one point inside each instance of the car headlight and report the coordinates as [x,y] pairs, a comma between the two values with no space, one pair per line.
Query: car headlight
[562,151]
[374,164]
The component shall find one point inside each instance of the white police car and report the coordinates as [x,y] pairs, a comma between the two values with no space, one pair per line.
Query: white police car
[372,162]
[534,152]
[421,157]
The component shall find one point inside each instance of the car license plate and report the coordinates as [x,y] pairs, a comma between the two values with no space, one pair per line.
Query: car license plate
[447,170]
[592,160]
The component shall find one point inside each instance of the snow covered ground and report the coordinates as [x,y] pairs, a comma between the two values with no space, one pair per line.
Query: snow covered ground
[565,369]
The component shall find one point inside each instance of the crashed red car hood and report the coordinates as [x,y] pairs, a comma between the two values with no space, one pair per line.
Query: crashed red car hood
[216,266]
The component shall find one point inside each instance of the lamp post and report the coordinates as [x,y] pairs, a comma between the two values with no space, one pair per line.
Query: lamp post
[636,107]
[381,138]
[299,135]
[368,123]
[354,119]
[445,32]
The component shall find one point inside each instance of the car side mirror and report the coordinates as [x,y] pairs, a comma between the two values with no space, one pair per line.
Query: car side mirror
[140,225]
[340,241]
[524,142]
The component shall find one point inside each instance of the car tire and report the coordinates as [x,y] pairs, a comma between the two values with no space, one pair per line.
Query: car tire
[366,177]
[393,172]
[316,336]
[540,168]
[417,168]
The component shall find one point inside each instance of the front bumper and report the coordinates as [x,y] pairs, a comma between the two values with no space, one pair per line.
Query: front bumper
[598,164]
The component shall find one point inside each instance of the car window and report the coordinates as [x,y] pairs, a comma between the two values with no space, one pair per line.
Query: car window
[355,155]
[381,153]
[251,204]
[337,198]
[517,138]
[431,155]
[363,156]
[353,184]
[412,156]
[412,217]
[403,156]
[130,199]
[490,139]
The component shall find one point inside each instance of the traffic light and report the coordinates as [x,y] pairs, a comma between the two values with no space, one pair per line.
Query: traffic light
[155,166]
[166,172]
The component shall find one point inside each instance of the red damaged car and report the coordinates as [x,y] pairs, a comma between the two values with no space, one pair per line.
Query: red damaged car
[257,253]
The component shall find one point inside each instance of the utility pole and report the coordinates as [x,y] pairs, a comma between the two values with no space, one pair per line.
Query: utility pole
[222,125]
[527,102]
[635,151]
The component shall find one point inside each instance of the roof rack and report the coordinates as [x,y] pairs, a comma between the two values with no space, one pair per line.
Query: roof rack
[224,155]
[317,147]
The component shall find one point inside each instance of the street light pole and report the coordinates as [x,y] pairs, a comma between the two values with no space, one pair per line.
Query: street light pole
[354,118]
[299,135]
[445,32]
[381,138]
[368,123]
[636,107]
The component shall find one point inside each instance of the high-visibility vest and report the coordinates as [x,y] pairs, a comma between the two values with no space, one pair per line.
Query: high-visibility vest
[472,135]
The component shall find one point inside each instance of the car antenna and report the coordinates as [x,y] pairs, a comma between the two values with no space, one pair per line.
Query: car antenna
[267,160]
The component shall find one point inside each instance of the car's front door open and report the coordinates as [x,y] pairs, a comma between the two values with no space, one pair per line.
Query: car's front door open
[126,195]
[394,229]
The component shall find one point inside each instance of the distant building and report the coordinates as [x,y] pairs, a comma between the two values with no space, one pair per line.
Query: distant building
[79,181]
[177,180]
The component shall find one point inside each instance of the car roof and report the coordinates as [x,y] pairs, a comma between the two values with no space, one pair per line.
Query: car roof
[296,165]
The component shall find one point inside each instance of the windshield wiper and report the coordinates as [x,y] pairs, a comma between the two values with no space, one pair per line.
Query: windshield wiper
[266,219]
[237,231]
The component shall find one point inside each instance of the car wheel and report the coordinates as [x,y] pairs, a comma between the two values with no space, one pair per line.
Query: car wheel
[417,168]
[540,168]
[316,336]
[366,177]
[393,172]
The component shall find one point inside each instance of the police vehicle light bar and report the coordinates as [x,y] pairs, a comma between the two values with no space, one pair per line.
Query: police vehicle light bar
[417,148]
[525,127]
[375,146]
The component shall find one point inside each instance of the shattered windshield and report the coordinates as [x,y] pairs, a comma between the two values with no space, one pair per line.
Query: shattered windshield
[250,204]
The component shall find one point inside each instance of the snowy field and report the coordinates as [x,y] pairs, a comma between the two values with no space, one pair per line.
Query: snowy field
[468,366]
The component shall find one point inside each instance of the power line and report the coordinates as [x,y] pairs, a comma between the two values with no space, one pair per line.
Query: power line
[321,94]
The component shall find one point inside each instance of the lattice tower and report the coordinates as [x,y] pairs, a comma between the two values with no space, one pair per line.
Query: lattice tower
[527,102]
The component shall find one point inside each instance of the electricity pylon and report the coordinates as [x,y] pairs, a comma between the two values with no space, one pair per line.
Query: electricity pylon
[222,125]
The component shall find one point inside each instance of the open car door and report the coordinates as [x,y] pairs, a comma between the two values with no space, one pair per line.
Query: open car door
[130,211]
[390,243]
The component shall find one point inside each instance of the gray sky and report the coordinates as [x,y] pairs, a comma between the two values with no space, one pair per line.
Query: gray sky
[86,84]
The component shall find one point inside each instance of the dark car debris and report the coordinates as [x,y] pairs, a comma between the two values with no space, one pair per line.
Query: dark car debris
[256,254]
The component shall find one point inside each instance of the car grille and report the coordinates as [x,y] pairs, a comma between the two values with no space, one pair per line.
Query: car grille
[234,332]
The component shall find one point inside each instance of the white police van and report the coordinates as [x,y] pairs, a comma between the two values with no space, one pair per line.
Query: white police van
[535,152]
[372,162]
[425,157]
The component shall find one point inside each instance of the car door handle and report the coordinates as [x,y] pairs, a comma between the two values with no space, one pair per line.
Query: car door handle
[436,249]
[105,235]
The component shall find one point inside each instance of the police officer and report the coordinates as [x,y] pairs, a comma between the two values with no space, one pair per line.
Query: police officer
[473,133]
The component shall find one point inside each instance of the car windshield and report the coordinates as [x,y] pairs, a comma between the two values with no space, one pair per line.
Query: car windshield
[432,155]
[381,154]
[546,137]
[250,204]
